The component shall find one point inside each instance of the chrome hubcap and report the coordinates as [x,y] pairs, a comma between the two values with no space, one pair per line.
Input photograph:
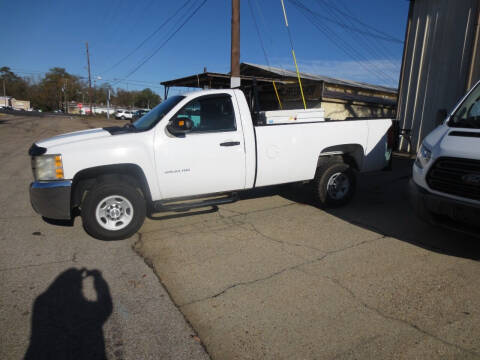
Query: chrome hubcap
[338,186]
[114,212]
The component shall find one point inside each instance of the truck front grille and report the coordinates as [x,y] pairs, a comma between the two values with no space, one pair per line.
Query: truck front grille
[455,176]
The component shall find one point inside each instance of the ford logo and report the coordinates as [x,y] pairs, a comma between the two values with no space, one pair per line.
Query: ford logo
[471,179]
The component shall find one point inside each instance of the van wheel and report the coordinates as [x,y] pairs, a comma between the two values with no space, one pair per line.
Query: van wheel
[113,211]
[123,117]
[334,184]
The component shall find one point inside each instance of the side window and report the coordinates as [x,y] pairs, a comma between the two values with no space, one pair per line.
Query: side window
[210,113]
[475,109]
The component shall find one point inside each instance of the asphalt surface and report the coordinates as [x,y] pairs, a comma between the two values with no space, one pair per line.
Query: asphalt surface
[274,277]
[269,277]
[65,295]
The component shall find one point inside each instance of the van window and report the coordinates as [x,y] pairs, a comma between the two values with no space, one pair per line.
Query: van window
[468,114]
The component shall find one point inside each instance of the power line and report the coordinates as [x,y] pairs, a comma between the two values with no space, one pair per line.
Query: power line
[129,81]
[339,19]
[293,54]
[353,18]
[341,43]
[166,41]
[258,33]
[147,38]
[378,35]
[375,47]
[264,22]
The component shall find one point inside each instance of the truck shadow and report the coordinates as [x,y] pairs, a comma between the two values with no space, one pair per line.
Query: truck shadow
[165,216]
[381,205]
[65,324]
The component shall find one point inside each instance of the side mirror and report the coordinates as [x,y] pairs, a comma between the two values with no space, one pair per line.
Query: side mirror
[180,125]
[441,116]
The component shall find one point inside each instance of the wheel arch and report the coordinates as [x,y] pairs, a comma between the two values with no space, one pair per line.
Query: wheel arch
[86,178]
[351,154]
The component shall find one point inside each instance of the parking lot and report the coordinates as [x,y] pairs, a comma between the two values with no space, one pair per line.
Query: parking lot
[268,277]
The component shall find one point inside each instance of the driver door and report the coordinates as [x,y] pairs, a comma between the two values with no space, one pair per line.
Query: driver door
[210,158]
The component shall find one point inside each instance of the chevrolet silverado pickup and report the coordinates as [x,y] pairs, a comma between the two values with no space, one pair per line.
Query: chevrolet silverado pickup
[445,184]
[195,150]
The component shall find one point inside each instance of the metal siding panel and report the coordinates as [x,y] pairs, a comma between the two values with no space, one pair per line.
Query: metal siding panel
[438,53]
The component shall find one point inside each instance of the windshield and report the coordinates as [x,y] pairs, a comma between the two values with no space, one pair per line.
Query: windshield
[151,118]
[468,114]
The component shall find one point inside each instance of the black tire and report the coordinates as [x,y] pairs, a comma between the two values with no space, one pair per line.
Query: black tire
[123,117]
[333,171]
[98,194]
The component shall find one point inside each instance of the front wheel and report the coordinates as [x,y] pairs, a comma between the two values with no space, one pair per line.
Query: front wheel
[113,211]
[334,184]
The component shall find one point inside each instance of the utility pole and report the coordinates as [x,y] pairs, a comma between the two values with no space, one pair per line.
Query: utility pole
[4,93]
[89,81]
[108,104]
[65,82]
[235,50]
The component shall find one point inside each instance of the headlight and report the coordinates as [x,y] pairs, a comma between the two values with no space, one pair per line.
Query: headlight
[423,157]
[47,167]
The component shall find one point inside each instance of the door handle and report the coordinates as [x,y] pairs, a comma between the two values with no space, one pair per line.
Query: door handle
[230,143]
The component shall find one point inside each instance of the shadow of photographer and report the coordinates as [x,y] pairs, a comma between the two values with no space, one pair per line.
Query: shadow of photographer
[67,325]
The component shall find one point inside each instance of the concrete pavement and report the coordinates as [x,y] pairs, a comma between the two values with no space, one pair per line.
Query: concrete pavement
[269,277]
[47,302]
[274,277]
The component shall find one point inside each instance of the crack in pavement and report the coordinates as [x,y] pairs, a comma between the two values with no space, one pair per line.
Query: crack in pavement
[255,229]
[392,318]
[72,259]
[293,267]
[135,247]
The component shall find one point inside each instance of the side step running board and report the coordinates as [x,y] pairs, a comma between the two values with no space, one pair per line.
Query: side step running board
[184,206]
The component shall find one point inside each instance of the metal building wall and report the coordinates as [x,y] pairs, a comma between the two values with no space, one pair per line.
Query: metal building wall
[440,61]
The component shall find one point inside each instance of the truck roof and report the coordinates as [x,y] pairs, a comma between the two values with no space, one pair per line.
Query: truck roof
[208,92]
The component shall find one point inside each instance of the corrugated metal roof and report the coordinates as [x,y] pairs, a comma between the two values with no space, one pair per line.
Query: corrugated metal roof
[289,73]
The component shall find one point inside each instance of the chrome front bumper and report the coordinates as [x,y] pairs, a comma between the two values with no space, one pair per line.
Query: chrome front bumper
[51,199]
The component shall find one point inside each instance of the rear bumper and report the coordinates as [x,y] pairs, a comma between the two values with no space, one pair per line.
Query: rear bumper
[51,199]
[446,212]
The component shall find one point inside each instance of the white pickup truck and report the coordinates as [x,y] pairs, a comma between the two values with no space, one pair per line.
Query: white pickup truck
[198,150]
[445,185]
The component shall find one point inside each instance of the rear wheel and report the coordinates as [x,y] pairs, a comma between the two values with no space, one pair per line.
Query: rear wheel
[334,184]
[113,210]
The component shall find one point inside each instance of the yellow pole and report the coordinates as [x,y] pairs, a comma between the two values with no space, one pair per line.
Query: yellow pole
[293,53]
[278,97]
[299,81]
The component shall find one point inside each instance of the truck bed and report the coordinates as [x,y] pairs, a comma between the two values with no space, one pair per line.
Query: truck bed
[279,146]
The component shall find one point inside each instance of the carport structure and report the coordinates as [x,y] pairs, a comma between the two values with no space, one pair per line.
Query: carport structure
[340,98]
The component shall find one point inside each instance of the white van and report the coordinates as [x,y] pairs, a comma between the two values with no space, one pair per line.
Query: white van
[445,185]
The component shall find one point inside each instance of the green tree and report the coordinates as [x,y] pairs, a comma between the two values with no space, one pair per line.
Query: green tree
[147,99]
[15,86]
[57,84]
[100,94]
[124,98]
